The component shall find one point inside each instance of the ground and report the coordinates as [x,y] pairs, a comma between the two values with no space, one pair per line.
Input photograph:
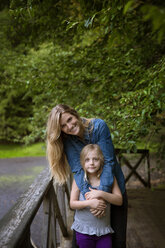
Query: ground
[146,218]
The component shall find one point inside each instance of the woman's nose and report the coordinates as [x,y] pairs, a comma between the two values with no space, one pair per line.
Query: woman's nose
[69,126]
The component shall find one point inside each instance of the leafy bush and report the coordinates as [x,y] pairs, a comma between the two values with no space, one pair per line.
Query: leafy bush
[101,57]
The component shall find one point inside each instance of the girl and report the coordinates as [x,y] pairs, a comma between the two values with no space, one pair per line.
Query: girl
[67,134]
[93,232]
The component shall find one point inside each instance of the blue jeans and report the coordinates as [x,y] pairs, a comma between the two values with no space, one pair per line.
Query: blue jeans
[93,241]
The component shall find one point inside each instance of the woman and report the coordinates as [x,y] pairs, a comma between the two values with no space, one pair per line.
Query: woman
[67,134]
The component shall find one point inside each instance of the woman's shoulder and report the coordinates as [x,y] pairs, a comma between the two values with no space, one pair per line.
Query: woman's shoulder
[98,122]
[100,126]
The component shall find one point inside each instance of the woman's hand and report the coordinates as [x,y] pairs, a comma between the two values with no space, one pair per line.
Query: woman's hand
[92,194]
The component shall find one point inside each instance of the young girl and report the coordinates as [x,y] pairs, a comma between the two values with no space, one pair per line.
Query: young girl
[91,231]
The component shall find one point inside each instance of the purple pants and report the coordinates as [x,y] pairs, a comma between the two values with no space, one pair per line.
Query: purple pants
[93,241]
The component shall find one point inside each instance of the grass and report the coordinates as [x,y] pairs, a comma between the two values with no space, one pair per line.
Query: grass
[15,150]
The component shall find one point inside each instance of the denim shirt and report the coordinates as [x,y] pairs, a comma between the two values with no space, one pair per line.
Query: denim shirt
[100,135]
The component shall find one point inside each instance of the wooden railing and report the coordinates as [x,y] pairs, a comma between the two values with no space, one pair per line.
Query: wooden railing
[15,226]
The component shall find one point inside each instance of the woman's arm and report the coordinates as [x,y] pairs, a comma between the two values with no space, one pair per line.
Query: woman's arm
[76,204]
[114,198]
[101,136]
[103,139]
[72,149]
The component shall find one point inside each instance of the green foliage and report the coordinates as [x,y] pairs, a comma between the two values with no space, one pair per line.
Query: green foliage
[157,16]
[15,117]
[101,57]
[4,4]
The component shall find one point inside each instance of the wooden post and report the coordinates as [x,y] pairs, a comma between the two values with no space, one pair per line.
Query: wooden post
[27,241]
[67,192]
[58,213]
[148,166]
[46,210]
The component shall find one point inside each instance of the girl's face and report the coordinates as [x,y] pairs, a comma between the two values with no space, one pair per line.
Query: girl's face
[70,124]
[92,163]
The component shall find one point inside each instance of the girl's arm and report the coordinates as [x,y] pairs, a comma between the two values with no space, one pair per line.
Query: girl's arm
[76,204]
[114,198]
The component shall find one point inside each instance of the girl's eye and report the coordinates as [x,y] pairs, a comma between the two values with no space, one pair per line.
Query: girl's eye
[96,159]
[63,126]
[87,159]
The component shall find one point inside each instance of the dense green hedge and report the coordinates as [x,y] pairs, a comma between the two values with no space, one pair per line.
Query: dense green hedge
[104,58]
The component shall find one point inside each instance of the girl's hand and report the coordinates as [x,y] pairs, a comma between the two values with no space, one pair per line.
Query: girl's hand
[98,204]
[97,213]
[94,193]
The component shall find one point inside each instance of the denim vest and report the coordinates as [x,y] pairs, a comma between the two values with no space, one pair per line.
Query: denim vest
[100,135]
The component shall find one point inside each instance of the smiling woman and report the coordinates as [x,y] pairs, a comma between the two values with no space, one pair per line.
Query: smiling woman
[63,120]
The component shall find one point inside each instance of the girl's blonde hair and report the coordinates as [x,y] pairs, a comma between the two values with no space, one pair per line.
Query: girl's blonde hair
[55,150]
[84,153]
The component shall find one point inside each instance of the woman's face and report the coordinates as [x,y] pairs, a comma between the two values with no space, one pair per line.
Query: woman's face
[70,124]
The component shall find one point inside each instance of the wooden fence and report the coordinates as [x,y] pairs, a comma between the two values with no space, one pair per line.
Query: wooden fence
[144,154]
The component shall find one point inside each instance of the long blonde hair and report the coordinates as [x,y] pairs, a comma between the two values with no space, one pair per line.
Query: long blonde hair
[84,153]
[55,150]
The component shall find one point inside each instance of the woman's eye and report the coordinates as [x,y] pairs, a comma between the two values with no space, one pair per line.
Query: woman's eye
[70,118]
[87,159]
[96,159]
